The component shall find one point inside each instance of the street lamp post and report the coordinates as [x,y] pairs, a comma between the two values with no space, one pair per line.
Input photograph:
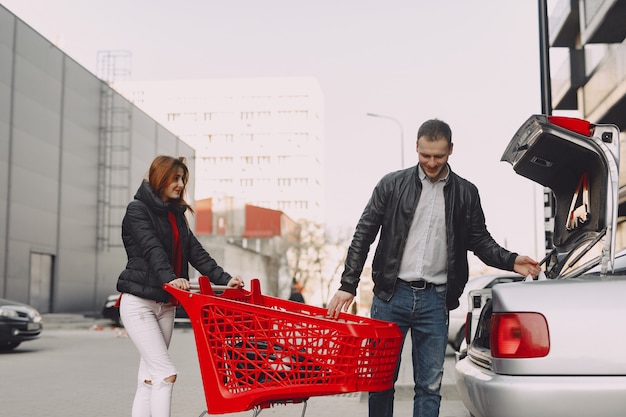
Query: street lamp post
[401,134]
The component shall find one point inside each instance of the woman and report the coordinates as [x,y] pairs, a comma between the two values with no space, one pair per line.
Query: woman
[160,246]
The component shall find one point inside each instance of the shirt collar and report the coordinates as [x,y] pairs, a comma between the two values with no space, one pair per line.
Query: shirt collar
[422,174]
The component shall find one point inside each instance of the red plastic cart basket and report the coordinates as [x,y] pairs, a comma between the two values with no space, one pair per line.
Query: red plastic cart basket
[256,350]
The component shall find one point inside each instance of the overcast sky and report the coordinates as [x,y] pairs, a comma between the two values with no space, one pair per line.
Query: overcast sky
[474,64]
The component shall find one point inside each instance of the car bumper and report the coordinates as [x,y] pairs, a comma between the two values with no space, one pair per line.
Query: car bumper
[19,332]
[486,394]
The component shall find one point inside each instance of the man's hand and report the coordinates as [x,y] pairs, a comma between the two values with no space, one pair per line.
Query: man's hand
[340,301]
[525,266]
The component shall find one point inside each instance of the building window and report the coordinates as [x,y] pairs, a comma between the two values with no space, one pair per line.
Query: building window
[284,205]
[301,114]
[220,116]
[210,160]
[261,203]
[294,114]
[290,204]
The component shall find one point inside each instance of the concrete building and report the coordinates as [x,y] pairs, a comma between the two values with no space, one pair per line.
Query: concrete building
[258,140]
[72,154]
[252,240]
[589,36]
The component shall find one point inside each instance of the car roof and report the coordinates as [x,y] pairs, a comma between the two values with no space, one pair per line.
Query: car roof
[6,302]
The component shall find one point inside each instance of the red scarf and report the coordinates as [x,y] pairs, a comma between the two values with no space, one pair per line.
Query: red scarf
[177,253]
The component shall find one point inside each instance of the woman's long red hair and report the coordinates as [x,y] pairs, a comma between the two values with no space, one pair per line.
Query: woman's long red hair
[162,172]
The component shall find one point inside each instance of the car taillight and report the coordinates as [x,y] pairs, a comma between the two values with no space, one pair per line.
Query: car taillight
[575,125]
[519,335]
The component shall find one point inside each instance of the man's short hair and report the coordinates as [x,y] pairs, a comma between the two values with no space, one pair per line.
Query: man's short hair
[435,129]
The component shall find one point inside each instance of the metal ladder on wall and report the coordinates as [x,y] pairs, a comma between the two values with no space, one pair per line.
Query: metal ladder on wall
[113,150]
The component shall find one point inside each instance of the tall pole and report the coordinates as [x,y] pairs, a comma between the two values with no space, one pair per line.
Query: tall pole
[544,59]
[546,108]
[401,134]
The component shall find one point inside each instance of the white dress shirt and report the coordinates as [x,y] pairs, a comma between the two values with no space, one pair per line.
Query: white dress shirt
[425,253]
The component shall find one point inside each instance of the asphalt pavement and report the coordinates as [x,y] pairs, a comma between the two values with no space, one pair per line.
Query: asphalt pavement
[94,374]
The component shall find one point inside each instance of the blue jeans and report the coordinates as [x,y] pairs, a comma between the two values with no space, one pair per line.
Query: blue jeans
[424,312]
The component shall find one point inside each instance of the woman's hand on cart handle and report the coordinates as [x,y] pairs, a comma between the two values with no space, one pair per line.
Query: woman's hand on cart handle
[235,282]
[340,301]
[180,283]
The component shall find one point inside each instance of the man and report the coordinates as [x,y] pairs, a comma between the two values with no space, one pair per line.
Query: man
[296,292]
[428,218]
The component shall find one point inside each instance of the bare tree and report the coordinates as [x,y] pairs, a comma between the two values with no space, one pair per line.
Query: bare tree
[317,261]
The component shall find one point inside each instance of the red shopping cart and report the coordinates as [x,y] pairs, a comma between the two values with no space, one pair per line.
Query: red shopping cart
[256,351]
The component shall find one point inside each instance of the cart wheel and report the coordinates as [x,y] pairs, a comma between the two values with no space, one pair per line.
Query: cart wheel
[257,410]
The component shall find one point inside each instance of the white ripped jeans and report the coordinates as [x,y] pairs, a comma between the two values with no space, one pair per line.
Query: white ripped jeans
[149,325]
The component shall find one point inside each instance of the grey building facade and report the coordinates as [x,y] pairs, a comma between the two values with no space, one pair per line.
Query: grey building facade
[72,154]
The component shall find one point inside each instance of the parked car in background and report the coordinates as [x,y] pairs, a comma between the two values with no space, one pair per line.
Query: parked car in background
[111,312]
[456,321]
[18,323]
[554,347]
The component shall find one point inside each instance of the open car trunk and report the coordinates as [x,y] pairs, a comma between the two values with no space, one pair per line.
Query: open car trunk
[579,162]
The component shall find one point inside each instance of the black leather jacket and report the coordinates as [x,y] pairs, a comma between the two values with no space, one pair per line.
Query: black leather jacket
[147,237]
[391,209]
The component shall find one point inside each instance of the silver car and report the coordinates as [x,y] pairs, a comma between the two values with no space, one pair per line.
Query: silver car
[553,347]
[456,321]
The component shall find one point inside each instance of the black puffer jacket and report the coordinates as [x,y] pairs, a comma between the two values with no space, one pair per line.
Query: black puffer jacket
[147,237]
[391,209]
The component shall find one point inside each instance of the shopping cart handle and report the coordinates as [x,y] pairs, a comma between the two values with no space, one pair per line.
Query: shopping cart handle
[215,288]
